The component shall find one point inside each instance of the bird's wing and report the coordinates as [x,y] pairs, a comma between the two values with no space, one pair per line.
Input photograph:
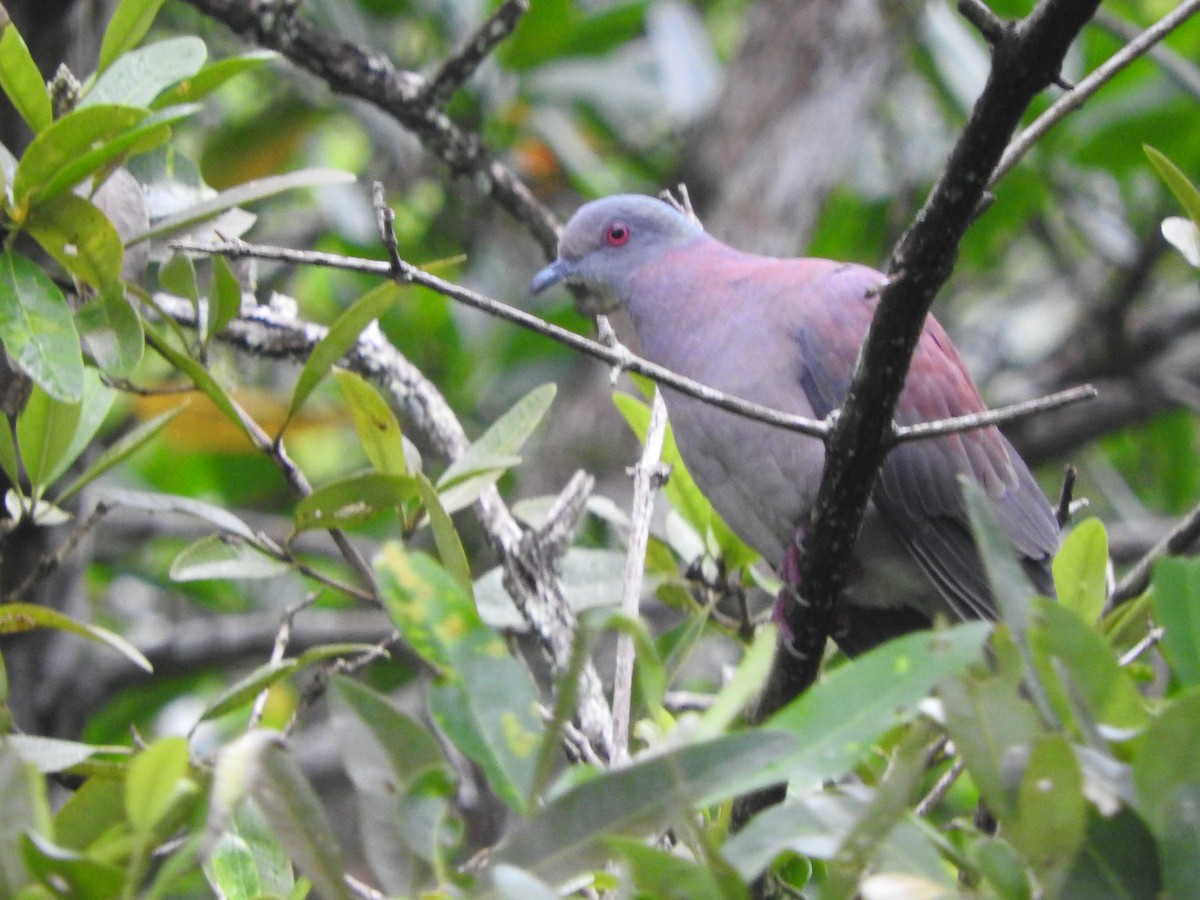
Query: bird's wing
[918,491]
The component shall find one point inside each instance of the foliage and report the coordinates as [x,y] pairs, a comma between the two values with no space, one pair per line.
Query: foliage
[1055,750]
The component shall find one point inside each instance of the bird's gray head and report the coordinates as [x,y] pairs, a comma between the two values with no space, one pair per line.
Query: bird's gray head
[607,240]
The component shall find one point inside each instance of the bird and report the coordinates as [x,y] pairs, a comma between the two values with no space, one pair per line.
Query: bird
[785,333]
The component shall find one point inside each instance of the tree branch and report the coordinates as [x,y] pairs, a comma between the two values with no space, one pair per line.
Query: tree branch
[1025,60]
[1177,541]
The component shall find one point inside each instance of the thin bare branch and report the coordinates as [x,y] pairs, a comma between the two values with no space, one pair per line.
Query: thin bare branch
[998,416]
[1071,101]
[1177,541]
[647,478]
[53,561]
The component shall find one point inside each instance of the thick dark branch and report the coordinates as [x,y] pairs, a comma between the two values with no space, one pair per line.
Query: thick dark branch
[1025,60]
[1179,540]
[359,72]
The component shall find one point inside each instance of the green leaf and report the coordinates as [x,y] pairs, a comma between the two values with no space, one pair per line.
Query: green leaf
[178,276]
[571,833]
[1183,189]
[445,537]
[375,423]
[426,603]
[80,143]
[225,299]
[342,335]
[488,707]
[80,238]
[382,747]
[135,78]
[854,705]
[246,688]
[1081,674]
[743,687]
[667,876]
[218,556]
[48,754]
[153,779]
[354,500]
[1081,569]
[112,332]
[248,861]
[1051,815]
[212,77]
[1177,608]
[37,329]
[21,79]
[73,874]
[297,818]
[243,194]
[503,439]
[1118,860]
[222,519]
[129,24]
[19,617]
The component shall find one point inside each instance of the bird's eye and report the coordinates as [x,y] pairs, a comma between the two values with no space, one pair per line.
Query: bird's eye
[616,234]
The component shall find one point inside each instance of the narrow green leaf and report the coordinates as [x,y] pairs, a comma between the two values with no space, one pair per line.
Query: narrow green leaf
[111,332]
[245,689]
[74,874]
[19,617]
[851,707]
[242,194]
[354,500]
[381,746]
[1164,768]
[221,518]
[1051,814]
[445,536]
[48,754]
[660,873]
[375,423]
[488,707]
[21,79]
[1118,860]
[1081,569]
[503,439]
[136,77]
[219,556]
[743,687]
[225,299]
[1081,673]
[178,276]
[465,487]
[211,77]
[1183,189]
[1177,608]
[338,341]
[512,883]
[73,147]
[37,329]
[297,818]
[154,777]
[129,24]
[199,375]
[249,859]
[570,834]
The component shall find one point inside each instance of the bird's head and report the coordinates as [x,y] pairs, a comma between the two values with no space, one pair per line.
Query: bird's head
[607,240]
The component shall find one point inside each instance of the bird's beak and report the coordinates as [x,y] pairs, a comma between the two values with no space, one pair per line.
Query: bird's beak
[554,273]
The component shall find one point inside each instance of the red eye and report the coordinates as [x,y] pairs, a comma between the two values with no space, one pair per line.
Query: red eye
[617,234]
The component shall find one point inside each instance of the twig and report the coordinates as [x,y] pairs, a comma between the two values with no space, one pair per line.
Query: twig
[1176,541]
[941,788]
[462,63]
[1083,91]
[619,356]
[1153,636]
[647,477]
[998,416]
[1181,70]
[282,637]
[979,14]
